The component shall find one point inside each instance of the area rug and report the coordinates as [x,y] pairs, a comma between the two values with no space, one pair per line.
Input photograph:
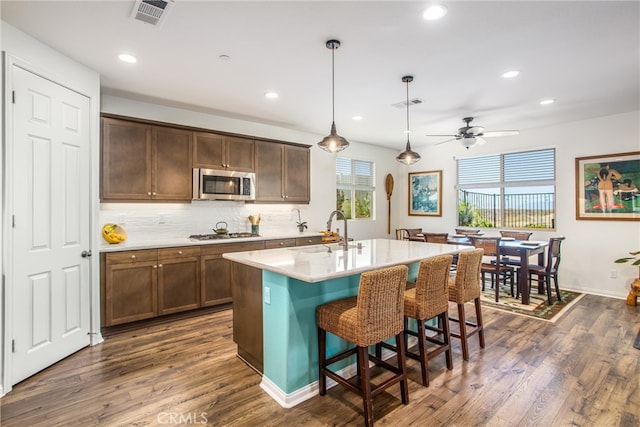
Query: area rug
[537,308]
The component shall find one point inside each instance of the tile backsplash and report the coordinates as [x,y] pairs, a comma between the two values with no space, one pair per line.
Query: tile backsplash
[151,221]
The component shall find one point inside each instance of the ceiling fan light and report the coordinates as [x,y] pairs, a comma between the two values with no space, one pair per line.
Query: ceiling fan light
[468,141]
[333,142]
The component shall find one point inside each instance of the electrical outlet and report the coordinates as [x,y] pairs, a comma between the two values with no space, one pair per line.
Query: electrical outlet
[267,295]
[613,274]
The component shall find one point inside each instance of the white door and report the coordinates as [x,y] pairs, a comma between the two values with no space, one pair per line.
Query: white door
[51,207]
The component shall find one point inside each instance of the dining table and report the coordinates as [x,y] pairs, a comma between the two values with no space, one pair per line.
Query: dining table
[523,249]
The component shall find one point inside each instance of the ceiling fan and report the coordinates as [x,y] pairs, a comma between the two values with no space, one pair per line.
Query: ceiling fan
[470,135]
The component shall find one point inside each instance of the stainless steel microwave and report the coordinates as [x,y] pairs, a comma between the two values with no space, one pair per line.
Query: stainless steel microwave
[212,184]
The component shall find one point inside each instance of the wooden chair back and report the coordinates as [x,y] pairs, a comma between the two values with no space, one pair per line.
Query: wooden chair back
[402,234]
[467,231]
[518,235]
[436,237]
[553,254]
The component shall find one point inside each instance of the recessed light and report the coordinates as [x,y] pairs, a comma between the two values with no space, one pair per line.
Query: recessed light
[547,101]
[125,57]
[356,118]
[434,12]
[224,57]
[270,95]
[406,131]
[510,74]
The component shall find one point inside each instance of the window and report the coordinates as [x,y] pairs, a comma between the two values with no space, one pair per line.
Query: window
[514,190]
[355,188]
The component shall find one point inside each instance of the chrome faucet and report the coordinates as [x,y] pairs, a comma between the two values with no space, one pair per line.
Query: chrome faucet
[344,217]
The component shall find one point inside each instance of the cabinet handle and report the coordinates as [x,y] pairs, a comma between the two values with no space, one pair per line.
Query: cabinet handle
[309,241]
[159,265]
[281,243]
[133,257]
[179,252]
[149,193]
[155,266]
[154,193]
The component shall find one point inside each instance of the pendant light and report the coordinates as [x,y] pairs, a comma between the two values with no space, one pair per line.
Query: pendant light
[408,156]
[334,142]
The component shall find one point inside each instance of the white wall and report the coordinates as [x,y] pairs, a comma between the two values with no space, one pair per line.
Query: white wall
[180,220]
[39,58]
[590,246]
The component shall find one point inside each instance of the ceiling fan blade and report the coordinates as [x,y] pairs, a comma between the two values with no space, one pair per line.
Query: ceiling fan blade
[480,141]
[442,136]
[501,133]
[452,139]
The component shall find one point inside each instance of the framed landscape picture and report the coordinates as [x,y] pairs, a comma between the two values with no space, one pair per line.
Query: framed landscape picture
[425,193]
[607,187]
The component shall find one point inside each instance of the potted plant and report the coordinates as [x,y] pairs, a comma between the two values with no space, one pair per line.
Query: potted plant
[635,285]
[302,225]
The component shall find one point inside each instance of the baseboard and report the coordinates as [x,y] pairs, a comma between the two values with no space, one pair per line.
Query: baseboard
[289,400]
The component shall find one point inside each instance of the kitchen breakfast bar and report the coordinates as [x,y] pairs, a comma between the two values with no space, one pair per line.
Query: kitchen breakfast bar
[276,292]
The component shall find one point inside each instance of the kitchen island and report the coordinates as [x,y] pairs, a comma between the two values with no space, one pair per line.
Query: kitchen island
[277,291]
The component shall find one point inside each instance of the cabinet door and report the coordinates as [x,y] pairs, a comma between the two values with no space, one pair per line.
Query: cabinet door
[130,287]
[269,158]
[216,280]
[296,174]
[306,241]
[172,164]
[247,313]
[178,284]
[208,150]
[126,170]
[239,154]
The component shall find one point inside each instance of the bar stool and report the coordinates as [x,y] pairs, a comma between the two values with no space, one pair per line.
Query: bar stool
[426,301]
[373,316]
[465,287]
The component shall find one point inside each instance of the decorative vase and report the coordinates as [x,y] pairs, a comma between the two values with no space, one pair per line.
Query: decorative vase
[634,293]
[255,229]
[301,228]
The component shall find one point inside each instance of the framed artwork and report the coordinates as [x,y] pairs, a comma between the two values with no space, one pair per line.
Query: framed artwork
[425,193]
[606,187]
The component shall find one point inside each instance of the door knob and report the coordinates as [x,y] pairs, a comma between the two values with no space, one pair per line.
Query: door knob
[85,254]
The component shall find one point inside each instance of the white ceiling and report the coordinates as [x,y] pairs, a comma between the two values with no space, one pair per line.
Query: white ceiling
[585,54]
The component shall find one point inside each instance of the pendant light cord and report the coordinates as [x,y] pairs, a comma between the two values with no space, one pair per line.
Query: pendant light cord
[408,131]
[333,84]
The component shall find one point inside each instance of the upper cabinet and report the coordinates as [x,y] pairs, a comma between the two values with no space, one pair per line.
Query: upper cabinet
[142,162]
[282,173]
[214,151]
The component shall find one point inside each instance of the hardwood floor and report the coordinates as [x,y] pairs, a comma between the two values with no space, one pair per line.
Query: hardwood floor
[580,371]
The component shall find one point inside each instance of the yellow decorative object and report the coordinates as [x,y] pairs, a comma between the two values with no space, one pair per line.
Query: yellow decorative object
[113,233]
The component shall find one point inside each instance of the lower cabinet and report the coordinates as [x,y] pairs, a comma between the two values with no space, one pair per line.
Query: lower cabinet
[216,271]
[178,279]
[147,283]
[129,286]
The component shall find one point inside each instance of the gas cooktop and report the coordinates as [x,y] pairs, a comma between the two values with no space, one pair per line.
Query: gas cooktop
[221,236]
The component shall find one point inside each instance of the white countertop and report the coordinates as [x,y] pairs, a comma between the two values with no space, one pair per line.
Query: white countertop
[315,263]
[132,244]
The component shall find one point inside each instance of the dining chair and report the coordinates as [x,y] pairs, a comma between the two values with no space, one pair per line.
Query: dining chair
[413,234]
[436,237]
[374,315]
[493,266]
[544,273]
[518,235]
[464,287]
[402,234]
[467,232]
[428,300]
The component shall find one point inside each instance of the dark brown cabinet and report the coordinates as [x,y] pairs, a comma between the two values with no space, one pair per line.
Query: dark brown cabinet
[247,313]
[142,162]
[216,271]
[129,286]
[214,151]
[178,279]
[282,173]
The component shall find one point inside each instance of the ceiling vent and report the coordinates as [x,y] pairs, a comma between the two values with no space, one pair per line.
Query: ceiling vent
[404,104]
[151,12]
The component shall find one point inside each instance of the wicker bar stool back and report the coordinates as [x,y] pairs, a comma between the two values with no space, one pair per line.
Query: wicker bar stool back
[377,313]
[464,287]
